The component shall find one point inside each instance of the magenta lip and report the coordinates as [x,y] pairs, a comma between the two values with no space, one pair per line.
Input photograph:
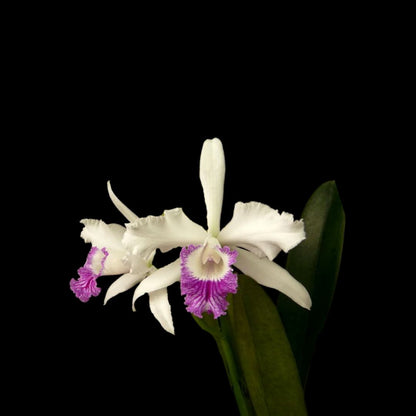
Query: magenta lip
[207,295]
[86,285]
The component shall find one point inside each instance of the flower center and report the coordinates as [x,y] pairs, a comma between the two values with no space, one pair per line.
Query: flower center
[207,277]
[206,262]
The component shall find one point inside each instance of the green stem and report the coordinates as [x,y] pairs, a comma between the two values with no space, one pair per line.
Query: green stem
[243,402]
[220,334]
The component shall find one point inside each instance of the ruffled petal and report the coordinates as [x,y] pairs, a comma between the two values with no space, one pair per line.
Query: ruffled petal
[170,230]
[212,174]
[160,307]
[270,274]
[262,230]
[128,213]
[100,234]
[108,237]
[160,279]
[123,283]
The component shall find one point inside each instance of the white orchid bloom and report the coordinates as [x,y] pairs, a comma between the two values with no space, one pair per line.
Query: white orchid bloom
[109,257]
[250,242]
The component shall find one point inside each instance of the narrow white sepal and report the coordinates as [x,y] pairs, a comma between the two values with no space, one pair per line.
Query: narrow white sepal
[160,307]
[212,175]
[123,283]
[270,274]
[128,213]
[161,278]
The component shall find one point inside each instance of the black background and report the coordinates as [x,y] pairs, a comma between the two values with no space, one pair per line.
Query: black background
[291,115]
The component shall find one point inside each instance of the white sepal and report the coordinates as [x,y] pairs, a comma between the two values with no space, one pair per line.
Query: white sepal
[161,278]
[270,274]
[128,213]
[212,175]
[160,307]
[123,283]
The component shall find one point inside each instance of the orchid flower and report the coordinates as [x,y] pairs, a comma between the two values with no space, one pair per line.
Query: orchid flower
[108,256]
[250,242]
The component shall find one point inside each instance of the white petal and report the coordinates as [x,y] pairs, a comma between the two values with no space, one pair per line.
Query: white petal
[129,214]
[262,230]
[161,278]
[107,236]
[270,274]
[100,234]
[170,230]
[160,307]
[212,174]
[123,283]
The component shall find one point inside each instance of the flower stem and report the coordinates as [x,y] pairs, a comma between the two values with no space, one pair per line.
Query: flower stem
[243,401]
[219,329]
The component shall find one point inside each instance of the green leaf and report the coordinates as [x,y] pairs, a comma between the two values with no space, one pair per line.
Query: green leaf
[264,354]
[257,355]
[315,263]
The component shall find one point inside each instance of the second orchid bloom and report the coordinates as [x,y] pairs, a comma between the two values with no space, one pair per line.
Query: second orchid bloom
[205,267]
